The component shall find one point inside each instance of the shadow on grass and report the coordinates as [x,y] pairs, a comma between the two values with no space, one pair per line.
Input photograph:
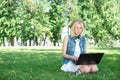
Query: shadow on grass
[112,48]
[36,65]
[43,49]
[24,65]
[109,66]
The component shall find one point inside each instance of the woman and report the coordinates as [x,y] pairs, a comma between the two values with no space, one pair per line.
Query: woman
[73,46]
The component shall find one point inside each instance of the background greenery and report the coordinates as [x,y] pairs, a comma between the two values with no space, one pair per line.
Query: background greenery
[37,20]
[41,19]
[43,63]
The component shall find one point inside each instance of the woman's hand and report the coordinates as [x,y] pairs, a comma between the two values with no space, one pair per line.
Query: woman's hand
[75,58]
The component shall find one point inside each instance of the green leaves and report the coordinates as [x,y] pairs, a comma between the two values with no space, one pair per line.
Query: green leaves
[56,19]
[100,19]
[25,18]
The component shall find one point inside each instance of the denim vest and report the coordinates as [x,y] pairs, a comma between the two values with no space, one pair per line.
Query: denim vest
[71,47]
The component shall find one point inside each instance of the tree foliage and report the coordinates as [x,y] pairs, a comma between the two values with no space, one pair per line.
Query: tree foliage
[100,19]
[56,19]
[41,19]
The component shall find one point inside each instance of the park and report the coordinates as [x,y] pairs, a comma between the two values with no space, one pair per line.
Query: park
[32,31]
[43,63]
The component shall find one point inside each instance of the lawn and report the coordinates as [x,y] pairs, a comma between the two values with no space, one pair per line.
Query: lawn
[43,63]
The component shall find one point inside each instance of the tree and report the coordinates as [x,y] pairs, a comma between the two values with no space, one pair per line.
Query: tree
[100,20]
[56,19]
[39,19]
[9,21]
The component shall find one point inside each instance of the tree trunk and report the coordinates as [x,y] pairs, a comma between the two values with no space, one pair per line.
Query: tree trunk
[12,41]
[35,40]
[4,41]
[30,42]
[44,40]
[54,43]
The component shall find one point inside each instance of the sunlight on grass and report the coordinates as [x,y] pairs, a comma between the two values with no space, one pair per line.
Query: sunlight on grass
[104,50]
[43,63]
[1,61]
[30,47]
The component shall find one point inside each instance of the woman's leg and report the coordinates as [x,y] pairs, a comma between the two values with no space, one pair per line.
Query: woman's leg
[93,68]
[84,69]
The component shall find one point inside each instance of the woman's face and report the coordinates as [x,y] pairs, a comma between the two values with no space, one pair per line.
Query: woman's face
[78,29]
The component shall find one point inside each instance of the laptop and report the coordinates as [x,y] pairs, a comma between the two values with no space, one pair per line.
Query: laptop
[89,58]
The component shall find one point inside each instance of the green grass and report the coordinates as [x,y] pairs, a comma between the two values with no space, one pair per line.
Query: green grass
[43,63]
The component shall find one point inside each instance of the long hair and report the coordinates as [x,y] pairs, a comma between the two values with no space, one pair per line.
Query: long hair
[73,24]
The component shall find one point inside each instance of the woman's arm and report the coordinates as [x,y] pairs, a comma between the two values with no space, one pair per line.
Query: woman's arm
[64,49]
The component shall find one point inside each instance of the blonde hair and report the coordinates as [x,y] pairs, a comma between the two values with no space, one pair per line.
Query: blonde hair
[73,25]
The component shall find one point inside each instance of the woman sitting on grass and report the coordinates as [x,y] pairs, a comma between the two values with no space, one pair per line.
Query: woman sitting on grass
[73,46]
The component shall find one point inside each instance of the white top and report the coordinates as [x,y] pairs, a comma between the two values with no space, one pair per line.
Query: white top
[70,66]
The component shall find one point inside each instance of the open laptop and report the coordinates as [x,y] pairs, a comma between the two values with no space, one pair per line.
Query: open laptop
[89,58]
